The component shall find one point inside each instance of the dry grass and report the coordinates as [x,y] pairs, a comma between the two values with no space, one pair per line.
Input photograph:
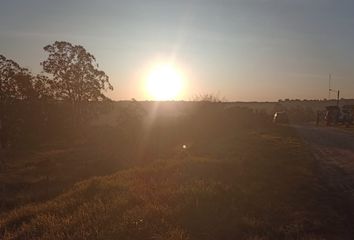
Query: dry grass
[249,185]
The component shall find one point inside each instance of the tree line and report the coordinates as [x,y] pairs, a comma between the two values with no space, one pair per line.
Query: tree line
[61,98]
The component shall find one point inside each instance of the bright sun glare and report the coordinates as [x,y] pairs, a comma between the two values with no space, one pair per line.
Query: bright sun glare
[164,83]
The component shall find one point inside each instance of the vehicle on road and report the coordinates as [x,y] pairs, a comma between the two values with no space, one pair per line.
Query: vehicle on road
[335,115]
[348,115]
[280,117]
[332,115]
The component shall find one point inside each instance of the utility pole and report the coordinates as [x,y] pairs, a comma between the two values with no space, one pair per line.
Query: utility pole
[329,86]
[332,90]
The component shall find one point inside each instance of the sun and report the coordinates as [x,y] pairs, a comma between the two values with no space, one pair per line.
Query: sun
[164,83]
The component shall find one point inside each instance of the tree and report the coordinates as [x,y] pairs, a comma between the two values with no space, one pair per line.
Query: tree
[208,98]
[13,80]
[15,86]
[75,73]
[76,77]
[42,88]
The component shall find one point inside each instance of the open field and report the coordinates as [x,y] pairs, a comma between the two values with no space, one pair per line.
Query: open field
[255,182]
[210,172]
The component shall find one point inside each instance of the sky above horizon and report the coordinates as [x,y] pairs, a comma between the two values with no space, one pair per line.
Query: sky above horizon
[242,50]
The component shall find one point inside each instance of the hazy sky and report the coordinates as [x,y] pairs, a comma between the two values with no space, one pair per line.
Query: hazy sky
[240,49]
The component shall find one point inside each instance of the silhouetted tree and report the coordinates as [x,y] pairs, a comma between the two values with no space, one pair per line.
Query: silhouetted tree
[15,85]
[13,80]
[76,77]
[208,98]
[42,88]
[23,102]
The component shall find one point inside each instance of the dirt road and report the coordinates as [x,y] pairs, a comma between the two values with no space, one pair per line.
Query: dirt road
[329,144]
[333,150]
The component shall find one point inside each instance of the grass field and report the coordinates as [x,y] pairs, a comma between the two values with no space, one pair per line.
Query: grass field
[250,184]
